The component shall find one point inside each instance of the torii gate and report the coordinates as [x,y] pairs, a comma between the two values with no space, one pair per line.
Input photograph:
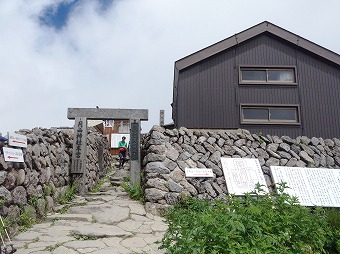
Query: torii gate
[81,115]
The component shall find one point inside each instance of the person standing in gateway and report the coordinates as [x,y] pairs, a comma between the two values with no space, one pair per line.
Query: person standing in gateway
[122,146]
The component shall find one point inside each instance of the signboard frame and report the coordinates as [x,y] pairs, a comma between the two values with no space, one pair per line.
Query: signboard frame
[13,155]
[242,175]
[17,140]
[312,186]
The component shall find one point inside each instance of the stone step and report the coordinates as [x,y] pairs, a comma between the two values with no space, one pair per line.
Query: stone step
[76,217]
[116,183]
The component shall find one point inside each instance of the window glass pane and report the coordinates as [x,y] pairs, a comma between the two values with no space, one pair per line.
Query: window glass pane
[281,75]
[254,75]
[255,114]
[287,114]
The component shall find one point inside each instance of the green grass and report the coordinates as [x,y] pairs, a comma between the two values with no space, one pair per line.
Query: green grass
[270,223]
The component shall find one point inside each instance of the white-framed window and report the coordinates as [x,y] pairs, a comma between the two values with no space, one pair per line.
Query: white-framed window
[269,114]
[267,75]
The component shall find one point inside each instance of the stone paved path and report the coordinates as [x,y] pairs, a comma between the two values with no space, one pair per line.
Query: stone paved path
[103,222]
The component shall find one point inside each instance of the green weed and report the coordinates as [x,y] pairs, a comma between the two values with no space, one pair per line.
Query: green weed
[53,247]
[135,191]
[99,184]
[27,217]
[32,200]
[69,194]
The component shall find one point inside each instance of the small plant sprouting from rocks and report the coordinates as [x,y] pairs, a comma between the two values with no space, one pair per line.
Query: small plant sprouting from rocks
[32,200]
[63,209]
[69,195]
[53,247]
[99,184]
[26,218]
[259,134]
[135,191]
[49,190]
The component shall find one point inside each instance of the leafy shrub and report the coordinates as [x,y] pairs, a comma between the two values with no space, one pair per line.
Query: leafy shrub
[269,223]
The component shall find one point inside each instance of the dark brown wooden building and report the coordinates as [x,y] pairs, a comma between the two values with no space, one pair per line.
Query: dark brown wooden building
[264,79]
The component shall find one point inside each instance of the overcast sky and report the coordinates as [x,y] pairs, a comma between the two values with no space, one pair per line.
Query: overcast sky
[56,54]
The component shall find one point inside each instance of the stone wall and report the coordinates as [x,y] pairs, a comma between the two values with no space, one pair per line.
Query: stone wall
[166,154]
[44,176]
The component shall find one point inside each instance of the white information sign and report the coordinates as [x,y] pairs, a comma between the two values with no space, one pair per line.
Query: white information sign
[242,175]
[115,138]
[199,172]
[17,140]
[312,186]
[13,155]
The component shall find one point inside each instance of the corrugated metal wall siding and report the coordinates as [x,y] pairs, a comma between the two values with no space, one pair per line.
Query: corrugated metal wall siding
[209,94]
[205,92]
[320,97]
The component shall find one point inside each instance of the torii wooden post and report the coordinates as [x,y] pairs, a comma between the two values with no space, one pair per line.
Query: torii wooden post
[79,145]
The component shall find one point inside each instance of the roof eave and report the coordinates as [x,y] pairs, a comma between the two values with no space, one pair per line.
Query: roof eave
[250,33]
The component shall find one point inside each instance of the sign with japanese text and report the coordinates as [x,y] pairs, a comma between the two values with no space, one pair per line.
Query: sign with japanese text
[17,140]
[242,175]
[312,186]
[13,155]
[135,142]
[79,145]
[199,172]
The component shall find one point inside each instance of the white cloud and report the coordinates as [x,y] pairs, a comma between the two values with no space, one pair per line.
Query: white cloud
[123,57]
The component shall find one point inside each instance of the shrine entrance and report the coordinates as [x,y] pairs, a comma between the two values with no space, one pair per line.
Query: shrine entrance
[81,115]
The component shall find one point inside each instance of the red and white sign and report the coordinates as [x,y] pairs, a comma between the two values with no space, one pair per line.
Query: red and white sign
[199,172]
[13,155]
[17,140]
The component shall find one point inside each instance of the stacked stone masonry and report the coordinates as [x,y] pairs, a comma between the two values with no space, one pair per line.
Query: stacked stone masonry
[44,176]
[166,154]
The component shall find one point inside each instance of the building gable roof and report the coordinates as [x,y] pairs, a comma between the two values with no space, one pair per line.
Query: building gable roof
[250,33]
